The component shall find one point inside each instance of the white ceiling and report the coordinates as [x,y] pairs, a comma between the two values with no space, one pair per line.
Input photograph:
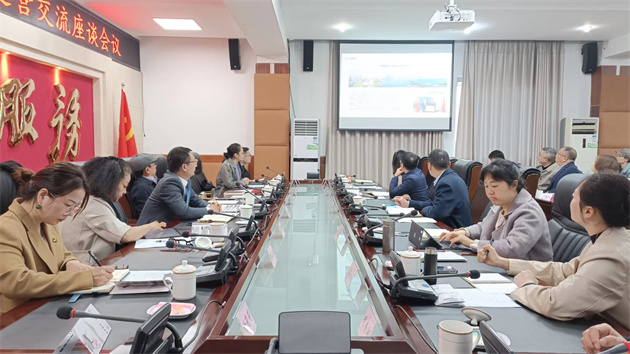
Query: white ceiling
[266,24]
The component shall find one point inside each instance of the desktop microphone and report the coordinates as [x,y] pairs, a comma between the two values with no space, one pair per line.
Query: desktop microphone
[413,213]
[263,203]
[473,274]
[624,347]
[67,312]
[282,174]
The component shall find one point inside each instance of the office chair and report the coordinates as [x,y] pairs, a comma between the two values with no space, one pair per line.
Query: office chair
[470,172]
[530,176]
[162,166]
[568,238]
[7,191]
[314,332]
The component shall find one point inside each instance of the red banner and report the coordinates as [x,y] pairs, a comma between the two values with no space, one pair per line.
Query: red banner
[126,139]
[56,103]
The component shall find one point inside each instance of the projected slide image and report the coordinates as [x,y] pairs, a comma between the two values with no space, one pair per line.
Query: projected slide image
[359,81]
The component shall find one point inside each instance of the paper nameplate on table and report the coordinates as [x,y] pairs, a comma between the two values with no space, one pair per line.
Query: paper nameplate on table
[367,323]
[338,232]
[272,256]
[246,320]
[87,333]
[351,273]
[395,210]
[419,220]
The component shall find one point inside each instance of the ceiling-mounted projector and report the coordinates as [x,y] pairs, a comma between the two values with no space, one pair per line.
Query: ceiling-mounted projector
[451,19]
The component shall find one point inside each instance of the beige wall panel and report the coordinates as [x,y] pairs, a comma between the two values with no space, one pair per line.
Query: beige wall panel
[271,127]
[271,91]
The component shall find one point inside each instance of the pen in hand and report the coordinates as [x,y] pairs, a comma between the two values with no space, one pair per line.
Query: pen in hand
[96,260]
[491,242]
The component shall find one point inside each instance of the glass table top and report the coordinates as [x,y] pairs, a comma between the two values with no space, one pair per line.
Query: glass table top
[308,263]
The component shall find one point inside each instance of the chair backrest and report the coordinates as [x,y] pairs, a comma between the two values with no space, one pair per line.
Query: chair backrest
[161,166]
[530,176]
[423,165]
[7,191]
[470,172]
[126,208]
[568,238]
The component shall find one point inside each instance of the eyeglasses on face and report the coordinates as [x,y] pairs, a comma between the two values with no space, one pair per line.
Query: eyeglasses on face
[68,209]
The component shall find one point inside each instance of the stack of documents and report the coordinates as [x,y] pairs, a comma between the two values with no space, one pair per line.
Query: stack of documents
[379,194]
[450,297]
[492,283]
[107,288]
[395,210]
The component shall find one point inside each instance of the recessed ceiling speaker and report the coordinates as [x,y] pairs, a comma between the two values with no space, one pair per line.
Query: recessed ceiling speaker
[235,56]
[308,56]
[589,57]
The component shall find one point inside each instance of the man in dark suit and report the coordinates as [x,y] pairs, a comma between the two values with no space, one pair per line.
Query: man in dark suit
[450,205]
[144,168]
[413,182]
[565,158]
[173,198]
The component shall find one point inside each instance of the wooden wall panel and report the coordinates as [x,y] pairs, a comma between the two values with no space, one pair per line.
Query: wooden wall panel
[272,127]
[263,68]
[271,91]
[615,94]
[276,157]
[613,108]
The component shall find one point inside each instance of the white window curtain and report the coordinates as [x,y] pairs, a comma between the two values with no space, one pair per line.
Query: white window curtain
[368,155]
[511,100]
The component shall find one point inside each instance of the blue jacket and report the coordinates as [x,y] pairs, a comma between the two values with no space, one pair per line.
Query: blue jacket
[168,202]
[450,205]
[567,169]
[413,183]
[139,193]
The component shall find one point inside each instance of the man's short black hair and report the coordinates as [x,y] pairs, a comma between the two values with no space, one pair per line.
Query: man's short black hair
[409,160]
[177,157]
[496,154]
[439,159]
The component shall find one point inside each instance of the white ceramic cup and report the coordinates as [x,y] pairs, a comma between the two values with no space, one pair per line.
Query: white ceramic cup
[249,199]
[357,199]
[456,337]
[246,211]
[412,261]
[203,242]
[182,281]
[274,182]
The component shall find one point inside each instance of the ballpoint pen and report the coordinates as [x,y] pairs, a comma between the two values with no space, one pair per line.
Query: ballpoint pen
[491,242]
[94,258]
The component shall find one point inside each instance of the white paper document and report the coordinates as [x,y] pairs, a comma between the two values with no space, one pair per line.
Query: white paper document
[144,276]
[448,256]
[477,298]
[395,210]
[152,243]
[418,220]
[493,283]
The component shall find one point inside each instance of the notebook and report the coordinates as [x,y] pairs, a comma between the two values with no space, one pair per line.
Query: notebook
[493,283]
[105,289]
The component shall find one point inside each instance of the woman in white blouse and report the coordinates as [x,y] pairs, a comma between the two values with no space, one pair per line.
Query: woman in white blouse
[97,229]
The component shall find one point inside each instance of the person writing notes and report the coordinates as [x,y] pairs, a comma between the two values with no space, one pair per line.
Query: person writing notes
[413,182]
[97,229]
[601,337]
[516,222]
[598,280]
[34,262]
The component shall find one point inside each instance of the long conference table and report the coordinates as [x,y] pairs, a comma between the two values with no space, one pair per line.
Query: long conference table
[309,257]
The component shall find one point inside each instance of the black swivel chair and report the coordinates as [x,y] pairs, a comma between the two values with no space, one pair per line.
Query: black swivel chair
[530,176]
[470,172]
[315,332]
[161,166]
[7,191]
[568,238]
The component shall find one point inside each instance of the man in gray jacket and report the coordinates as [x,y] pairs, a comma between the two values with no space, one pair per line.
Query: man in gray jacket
[173,198]
[548,167]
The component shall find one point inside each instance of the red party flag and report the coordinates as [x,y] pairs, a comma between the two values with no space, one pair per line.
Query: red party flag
[126,139]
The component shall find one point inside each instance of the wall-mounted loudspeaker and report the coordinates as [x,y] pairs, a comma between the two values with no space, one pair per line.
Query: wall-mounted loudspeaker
[589,57]
[308,56]
[235,56]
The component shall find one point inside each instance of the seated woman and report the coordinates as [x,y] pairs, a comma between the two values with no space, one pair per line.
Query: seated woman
[229,176]
[97,229]
[199,182]
[247,158]
[515,225]
[33,260]
[598,280]
[605,163]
